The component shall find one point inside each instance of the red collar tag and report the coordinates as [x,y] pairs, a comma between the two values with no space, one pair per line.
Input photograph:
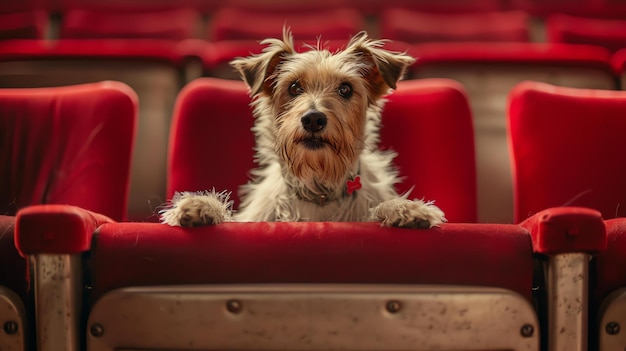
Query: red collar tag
[352,185]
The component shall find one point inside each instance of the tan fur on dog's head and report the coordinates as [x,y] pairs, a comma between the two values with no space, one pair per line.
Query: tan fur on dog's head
[318,103]
[380,66]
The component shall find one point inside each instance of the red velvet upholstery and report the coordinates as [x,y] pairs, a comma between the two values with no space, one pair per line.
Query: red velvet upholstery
[23,6]
[56,229]
[424,121]
[437,6]
[427,121]
[67,145]
[23,25]
[142,254]
[238,24]
[567,229]
[609,33]
[411,26]
[152,68]
[564,144]
[618,60]
[175,24]
[135,5]
[210,141]
[136,49]
[596,8]
[526,53]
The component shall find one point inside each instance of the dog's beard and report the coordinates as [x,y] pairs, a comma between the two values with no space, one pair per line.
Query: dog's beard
[317,160]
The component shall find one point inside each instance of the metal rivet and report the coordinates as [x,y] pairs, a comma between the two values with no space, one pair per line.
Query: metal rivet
[612,328]
[97,330]
[11,327]
[527,330]
[233,306]
[393,306]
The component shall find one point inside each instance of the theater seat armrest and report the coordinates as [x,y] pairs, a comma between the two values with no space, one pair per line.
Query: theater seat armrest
[55,229]
[566,230]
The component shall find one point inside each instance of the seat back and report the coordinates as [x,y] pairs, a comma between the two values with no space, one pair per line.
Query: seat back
[425,122]
[67,145]
[608,33]
[488,71]
[418,27]
[150,67]
[172,24]
[259,24]
[23,25]
[565,146]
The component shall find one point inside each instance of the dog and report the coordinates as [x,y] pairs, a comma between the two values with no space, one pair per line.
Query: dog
[317,120]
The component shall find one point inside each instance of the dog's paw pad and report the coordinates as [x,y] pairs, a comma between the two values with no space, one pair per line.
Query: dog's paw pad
[189,219]
[405,213]
[419,224]
[197,209]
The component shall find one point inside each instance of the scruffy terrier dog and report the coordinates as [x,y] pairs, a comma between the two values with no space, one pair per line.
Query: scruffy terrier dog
[317,119]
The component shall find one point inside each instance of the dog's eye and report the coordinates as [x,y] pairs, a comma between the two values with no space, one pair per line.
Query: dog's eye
[295,89]
[345,90]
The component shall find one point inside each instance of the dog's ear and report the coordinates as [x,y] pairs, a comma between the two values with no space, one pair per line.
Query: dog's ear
[383,68]
[258,71]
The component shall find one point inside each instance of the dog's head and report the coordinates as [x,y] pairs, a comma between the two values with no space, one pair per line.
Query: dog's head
[318,100]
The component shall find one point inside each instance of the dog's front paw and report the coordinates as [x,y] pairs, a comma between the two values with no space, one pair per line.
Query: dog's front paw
[196,209]
[406,213]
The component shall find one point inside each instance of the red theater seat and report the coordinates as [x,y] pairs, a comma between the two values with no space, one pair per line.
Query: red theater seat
[563,142]
[152,68]
[58,146]
[441,6]
[136,5]
[591,8]
[240,24]
[424,121]
[488,71]
[23,25]
[175,24]
[414,27]
[66,145]
[608,33]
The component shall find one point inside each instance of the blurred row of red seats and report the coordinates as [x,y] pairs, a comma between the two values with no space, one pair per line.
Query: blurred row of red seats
[396,23]
[604,8]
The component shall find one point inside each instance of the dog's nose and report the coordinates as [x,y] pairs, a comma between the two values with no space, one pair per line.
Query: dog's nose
[313,121]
